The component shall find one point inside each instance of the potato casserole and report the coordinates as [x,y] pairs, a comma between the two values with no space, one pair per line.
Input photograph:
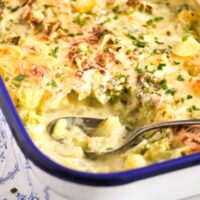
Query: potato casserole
[130,62]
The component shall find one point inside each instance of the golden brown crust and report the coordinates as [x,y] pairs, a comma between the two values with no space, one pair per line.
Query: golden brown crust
[188,137]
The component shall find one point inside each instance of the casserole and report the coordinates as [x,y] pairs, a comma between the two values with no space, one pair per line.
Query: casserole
[143,90]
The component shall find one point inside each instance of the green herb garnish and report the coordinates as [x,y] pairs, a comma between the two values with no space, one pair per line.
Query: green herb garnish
[136,41]
[20,77]
[180,77]
[13,9]
[195,108]
[171,91]
[128,52]
[79,21]
[189,96]
[53,52]
[157,19]
[53,83]
[161,66]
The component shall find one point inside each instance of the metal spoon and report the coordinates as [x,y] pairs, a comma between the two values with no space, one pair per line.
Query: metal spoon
[136,136]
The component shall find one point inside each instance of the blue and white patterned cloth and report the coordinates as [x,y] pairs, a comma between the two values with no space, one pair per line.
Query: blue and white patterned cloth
[16,172]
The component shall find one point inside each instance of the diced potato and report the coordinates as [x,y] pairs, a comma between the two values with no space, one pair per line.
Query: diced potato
[51,102]
[36,131]
[99,83]
[30,97]
[187,16]
[59,131]
[189,47]
[110,127]
[96,144]
[158,151]
[108,135]
[34,124]
[134,161]
[101,96]
[77,136]
[84,6]
[74,135]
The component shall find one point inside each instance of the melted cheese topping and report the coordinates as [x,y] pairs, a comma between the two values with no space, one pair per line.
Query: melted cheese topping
[133,60]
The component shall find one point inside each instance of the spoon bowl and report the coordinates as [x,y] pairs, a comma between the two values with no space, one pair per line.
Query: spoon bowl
[136,136]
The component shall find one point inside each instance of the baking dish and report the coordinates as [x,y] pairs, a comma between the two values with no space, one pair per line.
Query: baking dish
[157,180]
[173,175]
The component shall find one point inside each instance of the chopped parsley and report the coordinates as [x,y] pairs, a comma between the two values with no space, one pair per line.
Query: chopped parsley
[195,108]
[79,21]
[53,83]
[159,51]
[161,66]
[78,50]
[53,52]
[150,22]
[13,9]
[117,12]
[168,33]
[162,81]
[137,42]
[157,42]
[7,78]
[157,19]
[20,77]
[139,70]
[15,40]
[71,34]
[180,77]
[171,91]
[109,149]
[128,52]
[176,62]
[189,96]
[64,29]
[184,38]
[16,84]
[105,21]
[164,86]
[182,100]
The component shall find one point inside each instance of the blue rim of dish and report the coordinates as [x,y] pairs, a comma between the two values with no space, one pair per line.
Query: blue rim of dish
[95,179]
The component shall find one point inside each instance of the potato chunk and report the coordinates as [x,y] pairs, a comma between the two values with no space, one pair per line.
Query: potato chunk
[189,47]
[110,127]
[84,6]
[59,131]
[134,161]
[30,97]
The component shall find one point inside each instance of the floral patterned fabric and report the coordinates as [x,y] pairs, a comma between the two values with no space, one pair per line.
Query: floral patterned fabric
[17,180]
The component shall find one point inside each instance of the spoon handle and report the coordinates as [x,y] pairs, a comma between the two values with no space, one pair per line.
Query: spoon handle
[138,132]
